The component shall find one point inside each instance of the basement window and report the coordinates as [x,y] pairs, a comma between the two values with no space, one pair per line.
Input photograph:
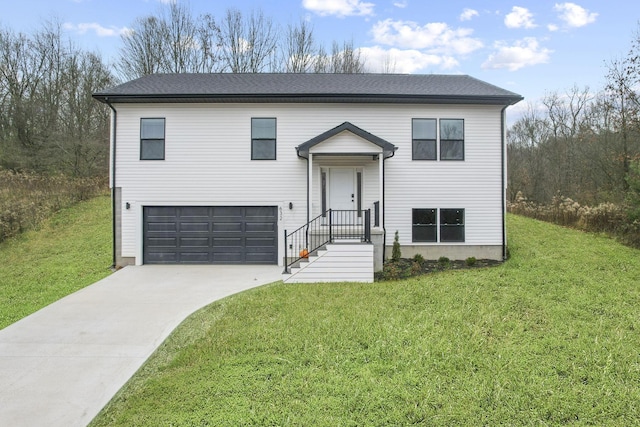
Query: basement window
[452,225]
[425,225]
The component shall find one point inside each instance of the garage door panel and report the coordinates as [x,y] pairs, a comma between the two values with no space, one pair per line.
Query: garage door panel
[167,242]
[258,242]
[161,211]
[194,257]
[228,242]
[162,258]
[204,235]
[202,227]
[221,212]
[260,227]
[162,226]
[194,212]
[195,242]
[227,227]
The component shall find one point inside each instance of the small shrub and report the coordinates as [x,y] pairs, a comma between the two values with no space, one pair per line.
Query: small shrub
[444,262]
[396,254]
[416,268]
[418,258]
[396,270]
[471,261]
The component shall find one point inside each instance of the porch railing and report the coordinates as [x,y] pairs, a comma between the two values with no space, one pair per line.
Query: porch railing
[328,227]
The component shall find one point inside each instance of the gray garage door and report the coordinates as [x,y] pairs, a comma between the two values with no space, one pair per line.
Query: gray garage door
[210,235]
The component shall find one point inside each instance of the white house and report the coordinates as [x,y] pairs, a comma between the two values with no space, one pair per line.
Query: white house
[214,168]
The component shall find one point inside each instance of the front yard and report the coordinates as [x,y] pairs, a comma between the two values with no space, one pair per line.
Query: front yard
[548,338]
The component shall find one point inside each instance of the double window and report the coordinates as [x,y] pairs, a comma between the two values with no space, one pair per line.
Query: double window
[263,139]
[152,139]
[425,225]
[424,134]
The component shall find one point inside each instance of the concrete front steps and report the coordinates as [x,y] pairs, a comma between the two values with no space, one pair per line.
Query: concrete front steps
[337,262]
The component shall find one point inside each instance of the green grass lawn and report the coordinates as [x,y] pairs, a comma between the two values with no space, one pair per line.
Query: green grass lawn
[551,337]
[68,252]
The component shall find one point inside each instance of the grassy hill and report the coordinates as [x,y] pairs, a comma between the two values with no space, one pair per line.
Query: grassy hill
[548,338]
[67,252]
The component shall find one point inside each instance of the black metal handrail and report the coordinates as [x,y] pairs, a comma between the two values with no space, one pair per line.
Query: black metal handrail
[326,228]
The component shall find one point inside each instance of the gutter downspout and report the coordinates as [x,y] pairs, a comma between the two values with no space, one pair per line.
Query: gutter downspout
[113,180]
[384,207]
[503,188]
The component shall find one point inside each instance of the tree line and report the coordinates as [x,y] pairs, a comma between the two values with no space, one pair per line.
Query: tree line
[50,124]
[581,144]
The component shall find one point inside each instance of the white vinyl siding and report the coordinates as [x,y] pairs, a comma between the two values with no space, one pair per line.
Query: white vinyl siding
[208,162]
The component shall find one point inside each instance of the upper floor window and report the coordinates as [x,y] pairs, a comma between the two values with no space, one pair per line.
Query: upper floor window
[263,139]
[451,139]
[424,139]
[152,139]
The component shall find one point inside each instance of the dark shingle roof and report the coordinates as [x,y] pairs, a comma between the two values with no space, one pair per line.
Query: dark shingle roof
[264,87]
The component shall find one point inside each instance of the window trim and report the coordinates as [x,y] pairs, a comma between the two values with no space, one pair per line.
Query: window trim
[441,140]
[274,139]
[414,140]
[164,139]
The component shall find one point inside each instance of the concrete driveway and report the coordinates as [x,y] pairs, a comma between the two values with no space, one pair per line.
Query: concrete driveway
[61,365]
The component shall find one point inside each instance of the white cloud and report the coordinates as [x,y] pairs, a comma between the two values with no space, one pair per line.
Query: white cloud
[523,53]
[552,27]
[339,8]
[467,14]
[97,28]
[401,4]
[437,37]
[519,17]
[574,15]
[407,61]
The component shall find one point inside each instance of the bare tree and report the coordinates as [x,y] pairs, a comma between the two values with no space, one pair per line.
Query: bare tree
[142,49]
[49,123]
[172,41]
[527,168]
[248,45]
[299,48]
[322,62]
[346,59]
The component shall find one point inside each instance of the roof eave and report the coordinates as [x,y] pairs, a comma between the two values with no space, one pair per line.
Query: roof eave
[308,98]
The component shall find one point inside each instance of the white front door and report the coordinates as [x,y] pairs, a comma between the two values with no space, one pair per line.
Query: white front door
[342,191]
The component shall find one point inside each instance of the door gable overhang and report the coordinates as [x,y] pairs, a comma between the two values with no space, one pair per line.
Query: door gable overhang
[379,145]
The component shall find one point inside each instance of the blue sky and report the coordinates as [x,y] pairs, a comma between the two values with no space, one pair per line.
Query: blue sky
[529,47]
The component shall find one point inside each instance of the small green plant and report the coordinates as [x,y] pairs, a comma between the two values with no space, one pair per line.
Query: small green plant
[444,262]
[471,261]
[418,258]
[396,254]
